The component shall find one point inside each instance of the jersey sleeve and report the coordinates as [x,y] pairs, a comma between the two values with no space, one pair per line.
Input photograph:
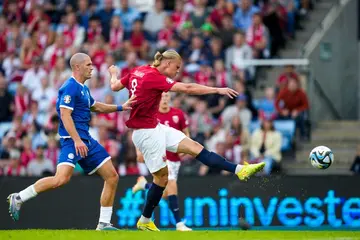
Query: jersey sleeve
[68,96]
[184,122]
[125,80]
[159,82]
[92,100]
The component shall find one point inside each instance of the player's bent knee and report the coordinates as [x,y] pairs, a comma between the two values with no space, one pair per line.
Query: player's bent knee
[113,179]
[61,180]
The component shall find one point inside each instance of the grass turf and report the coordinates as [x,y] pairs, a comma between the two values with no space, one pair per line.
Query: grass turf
[38,234]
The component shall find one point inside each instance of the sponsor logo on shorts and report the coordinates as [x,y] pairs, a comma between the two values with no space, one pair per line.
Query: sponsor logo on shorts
[71,156]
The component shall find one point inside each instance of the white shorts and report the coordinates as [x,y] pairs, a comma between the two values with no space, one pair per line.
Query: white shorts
[154,142]
[173,168]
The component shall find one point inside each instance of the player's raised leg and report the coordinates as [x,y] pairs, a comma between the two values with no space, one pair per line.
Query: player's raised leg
[152,199]
[62,176]
[111,179]
[211,159]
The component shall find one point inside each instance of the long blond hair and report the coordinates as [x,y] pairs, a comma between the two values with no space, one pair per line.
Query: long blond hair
[168,54]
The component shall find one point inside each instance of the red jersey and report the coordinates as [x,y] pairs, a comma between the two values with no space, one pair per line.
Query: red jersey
[147,84]
[175,118]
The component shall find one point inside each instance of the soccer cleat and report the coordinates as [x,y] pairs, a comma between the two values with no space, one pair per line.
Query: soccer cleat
[14,205]
[182,227]
[150,226]
[140,184]
[249,169]
[105,227]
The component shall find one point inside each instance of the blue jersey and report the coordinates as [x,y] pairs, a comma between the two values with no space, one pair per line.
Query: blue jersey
[75,96]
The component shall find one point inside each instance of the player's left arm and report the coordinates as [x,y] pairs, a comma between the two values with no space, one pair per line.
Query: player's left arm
[115,84]
[109,108]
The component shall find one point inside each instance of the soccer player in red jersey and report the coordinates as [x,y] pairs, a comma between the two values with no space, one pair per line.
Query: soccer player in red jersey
[153,139]
[175,118]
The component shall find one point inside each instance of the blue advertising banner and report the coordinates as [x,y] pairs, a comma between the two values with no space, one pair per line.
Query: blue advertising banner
[205,202]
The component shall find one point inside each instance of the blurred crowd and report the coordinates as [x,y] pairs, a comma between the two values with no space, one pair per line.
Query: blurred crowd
[37,37]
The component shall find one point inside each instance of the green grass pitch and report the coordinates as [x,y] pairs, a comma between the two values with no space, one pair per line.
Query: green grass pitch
[172,235]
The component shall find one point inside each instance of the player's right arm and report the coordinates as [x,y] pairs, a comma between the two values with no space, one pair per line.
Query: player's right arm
[197,89]
[67,105]
[115,84]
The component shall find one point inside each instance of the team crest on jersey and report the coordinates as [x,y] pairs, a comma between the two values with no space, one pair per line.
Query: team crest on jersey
[67,99]
[169,80]
[175,119]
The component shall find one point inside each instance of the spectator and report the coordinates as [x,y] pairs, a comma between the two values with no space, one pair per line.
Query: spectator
[137,40]
[238,109]
[222,79]
[52,151]
[218,13]
[110,145]
[44,95]
[73,33]
[283,79]
[195,54]
[131,62]
[243,15]
[59,74]
[200,122]
[215,102]
[40,165]
[216,52]
[55,51]
[29,51]
[7,105]
[235,57]
[199,14]
[292,103]
[179,16]
[84,13]
[226,33]
[27,152]
[166,34]
[94,30]
[203,75]
[240,141]
[218,134]
[36,134]
[129,166]
[355,166]
[266,146]
[127,14]
[45,36]
[155,19]
[14,38]
[98,51]
[11,63]
[257,37]
[104,72]
[3,33]
[32,77]
[266,105]
[105,14]
[36,15]
[14,168]
[108,120]
[22,100]
[116,34]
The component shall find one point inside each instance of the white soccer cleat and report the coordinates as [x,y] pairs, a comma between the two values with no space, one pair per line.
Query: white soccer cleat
[140,184]
[182,227]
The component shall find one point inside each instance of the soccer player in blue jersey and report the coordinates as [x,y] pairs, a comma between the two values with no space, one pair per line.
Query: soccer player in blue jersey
[74,106]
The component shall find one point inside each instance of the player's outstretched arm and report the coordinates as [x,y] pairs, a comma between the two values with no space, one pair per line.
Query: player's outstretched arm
[115,83]
[197,89]
[109,108]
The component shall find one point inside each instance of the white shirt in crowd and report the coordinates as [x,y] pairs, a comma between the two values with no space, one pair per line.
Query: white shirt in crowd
[32,78]
[37,168]
[231,111]
[44,97]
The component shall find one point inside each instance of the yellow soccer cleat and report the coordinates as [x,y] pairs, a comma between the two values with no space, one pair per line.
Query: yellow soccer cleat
[249,169]
[150,226]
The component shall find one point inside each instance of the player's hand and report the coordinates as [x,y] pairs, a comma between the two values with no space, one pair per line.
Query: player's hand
[81,148]
[127,104]
[113,70]
[228,91]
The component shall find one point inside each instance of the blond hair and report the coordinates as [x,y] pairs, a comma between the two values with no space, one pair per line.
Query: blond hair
[168,54]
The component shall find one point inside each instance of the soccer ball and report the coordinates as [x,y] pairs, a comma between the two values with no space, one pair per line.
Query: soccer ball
[321,157]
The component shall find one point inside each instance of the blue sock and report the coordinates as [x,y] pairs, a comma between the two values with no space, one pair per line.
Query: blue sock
[148,185]
[152,200]
[214,160]
[174,206]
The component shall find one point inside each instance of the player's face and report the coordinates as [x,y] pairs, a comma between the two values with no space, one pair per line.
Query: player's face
[173,68]
[165,100]
[86,68]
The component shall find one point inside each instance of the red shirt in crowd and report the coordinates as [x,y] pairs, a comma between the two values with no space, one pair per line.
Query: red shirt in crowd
[116,38]
[147,83]
[175,118]
[289,100]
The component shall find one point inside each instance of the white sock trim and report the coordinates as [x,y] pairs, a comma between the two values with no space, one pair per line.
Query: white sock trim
[28,193]
[105,214]
[238,168]
[144,219]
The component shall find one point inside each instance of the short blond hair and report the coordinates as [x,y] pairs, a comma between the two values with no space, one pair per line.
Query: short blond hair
[168,54]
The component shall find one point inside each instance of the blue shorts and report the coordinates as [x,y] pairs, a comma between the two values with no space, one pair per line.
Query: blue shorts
[96,157]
